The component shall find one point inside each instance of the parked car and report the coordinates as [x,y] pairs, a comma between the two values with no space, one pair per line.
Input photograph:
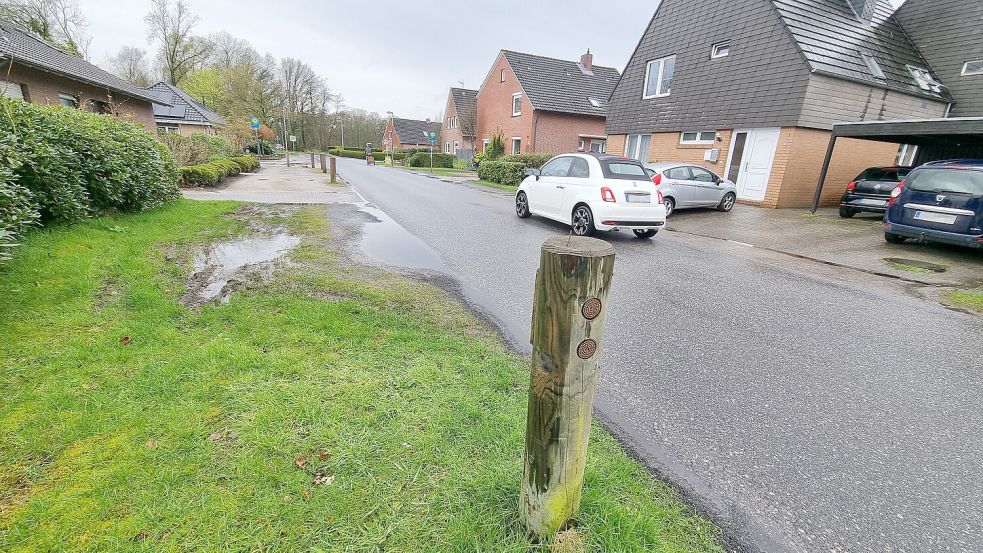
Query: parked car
[593,192]
[685,186]
[871,190]
[938,202]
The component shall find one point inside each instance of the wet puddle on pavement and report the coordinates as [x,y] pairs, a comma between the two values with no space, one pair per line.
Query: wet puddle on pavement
[226,264]
[387,241]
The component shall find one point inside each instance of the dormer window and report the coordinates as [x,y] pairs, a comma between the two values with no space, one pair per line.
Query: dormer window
[720,50]
[924,79]
[972,68]
[872,66]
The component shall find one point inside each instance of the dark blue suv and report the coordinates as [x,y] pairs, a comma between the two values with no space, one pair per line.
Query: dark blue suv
[940,201]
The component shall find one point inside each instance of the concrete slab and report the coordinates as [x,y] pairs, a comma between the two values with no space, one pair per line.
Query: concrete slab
[275,183]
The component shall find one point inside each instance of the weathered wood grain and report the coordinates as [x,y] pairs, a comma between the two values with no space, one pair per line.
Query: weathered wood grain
[572,271]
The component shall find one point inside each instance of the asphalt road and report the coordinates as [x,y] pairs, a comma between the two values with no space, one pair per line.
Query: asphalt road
[802,407]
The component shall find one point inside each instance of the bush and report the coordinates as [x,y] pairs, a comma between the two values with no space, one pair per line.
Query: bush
[529,160]
[265,148]
[495,148]
[421,159]
[17,209]
[77,164]
[360,154]
[503,172]
[197,148]
[212,173]
[247,164]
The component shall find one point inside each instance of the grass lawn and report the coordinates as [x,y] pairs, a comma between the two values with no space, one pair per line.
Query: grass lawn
[442,171]
[970,299]
[336,408]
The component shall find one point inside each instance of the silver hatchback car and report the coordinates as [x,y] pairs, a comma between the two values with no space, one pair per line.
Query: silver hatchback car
[684,186]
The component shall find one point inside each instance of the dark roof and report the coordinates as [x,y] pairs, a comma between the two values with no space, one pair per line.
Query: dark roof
[465,99]
[914,131]
[27,48]
[563,86]
[833,37]
[411,131]
[183,108]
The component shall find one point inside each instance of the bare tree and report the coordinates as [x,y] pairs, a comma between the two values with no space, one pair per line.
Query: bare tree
[180,52]
[467,123]
[59,22]
[130,64]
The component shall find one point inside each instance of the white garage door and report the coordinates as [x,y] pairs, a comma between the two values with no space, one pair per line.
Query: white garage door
[11,90]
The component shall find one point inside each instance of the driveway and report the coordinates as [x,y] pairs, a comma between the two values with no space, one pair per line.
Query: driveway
[803,406]
[277,183]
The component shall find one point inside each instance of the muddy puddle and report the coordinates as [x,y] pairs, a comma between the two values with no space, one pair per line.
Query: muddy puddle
[226,265]
[387,241]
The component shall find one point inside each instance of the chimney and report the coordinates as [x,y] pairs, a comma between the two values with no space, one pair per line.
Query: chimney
[587,60]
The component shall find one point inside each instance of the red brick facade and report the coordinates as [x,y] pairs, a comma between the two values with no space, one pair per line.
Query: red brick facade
[453,129]
[43,88]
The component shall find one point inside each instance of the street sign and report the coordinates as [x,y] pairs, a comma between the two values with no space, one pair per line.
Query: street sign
[293,138]
[254,122]
[432,136]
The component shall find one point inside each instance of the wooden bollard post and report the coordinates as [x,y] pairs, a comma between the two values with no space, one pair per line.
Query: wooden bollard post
[568,315]
[334,169]
[324,165]
[312,160]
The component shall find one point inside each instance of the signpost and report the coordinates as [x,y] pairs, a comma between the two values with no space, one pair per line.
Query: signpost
[432,137]
[254,123]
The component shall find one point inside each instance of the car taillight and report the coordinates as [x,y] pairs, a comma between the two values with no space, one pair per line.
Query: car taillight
[607,194]
[657,179]
[851,187]
[895,193]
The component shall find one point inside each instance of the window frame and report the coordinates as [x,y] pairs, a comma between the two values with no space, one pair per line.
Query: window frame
[692,174]
[516,140]
[699,141]
[658,85]
[872,66]
[503,76]
[484,144]
[965,73]
[574,162]
[715,49]
[558,159]
[455,146]
[64,96]
[516,96]
[581,143]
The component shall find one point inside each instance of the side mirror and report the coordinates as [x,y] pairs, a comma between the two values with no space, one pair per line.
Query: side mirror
[533,172]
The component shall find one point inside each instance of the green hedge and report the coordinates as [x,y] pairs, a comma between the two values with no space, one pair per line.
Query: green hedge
[529,160]
[360,154]
[422,159]
[75,164]
[17,209]
[196,148]
[509,173]
[212,173]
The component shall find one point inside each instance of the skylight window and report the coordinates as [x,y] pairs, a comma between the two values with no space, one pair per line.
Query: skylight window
[924,79]
[720,50]
[872,66]
[972,68]
[596,103]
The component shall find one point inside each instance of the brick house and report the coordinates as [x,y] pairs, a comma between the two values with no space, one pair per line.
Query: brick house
[406,134]
[182,114]
[460,122]
[35,71]
[751,89]
[542,104]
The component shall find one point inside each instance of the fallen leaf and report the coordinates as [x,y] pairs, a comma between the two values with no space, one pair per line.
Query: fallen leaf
[152,443]
[215,436]
[300,462]
[323,455]
[323,479]
[126,340]
[306,494]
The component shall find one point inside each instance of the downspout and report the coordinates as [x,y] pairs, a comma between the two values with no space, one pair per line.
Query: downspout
[535,128]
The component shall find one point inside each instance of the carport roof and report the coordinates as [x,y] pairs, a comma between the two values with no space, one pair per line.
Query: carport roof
[911,131]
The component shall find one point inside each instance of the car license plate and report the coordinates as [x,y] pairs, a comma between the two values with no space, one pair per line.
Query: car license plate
[638,198]
[935,217]
[868,201]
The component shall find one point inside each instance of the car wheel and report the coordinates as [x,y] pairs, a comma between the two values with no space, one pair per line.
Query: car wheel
[727,202]
[582,222]
[846,212]
[894,238]
[645,233]
[521,205]
[670,206]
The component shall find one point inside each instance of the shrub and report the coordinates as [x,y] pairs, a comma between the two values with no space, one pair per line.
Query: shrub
[529,160]
[247,164]
[360,154]
[421,159]
[76,163]
[495,148]
[212,173]
[17,210]
[503,172]
[265,148]
[197,148]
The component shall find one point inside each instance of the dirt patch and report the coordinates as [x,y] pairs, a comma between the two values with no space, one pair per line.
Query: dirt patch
[914,265]
[228,265]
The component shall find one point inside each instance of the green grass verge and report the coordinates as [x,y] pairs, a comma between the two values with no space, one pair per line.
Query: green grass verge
[328,410]
[970,299]
[443,171]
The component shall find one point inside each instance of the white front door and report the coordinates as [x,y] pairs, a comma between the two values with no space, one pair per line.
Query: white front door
[749,163]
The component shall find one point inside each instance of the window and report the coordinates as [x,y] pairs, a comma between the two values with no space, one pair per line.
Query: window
[599,146]
[11,90]
[697,137]
[678,173]
[594,102]
[924,79]
[872,66]
[167,129]
[457,146]
[503,76]
[447,147]
[658,77]
[637,146]
[68,100]
[580,145]
[720,50]
[558,167]
[702,175]
[625,170]
[579,169]
[516,145]
[484,144]
[972,68]
[96,106]
[906,155]
[516,104]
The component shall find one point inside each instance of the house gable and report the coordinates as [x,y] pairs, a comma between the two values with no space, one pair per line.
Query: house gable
[761,82]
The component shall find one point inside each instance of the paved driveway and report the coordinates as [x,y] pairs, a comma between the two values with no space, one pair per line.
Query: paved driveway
[802,407]
[277,183]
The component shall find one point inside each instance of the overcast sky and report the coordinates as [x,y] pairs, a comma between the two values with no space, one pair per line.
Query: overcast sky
[400,56]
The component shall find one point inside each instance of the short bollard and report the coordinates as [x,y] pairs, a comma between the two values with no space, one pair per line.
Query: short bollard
[334,169]
[312,160]
[569,311]
[324,165]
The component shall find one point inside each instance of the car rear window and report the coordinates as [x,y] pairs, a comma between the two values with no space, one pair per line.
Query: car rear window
[889,174]
[947,181]
[624,169]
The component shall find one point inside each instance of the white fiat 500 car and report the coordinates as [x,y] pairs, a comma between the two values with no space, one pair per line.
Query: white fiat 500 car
[593,192]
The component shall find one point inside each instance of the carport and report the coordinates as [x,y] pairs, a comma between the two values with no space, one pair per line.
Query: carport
[953,138]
